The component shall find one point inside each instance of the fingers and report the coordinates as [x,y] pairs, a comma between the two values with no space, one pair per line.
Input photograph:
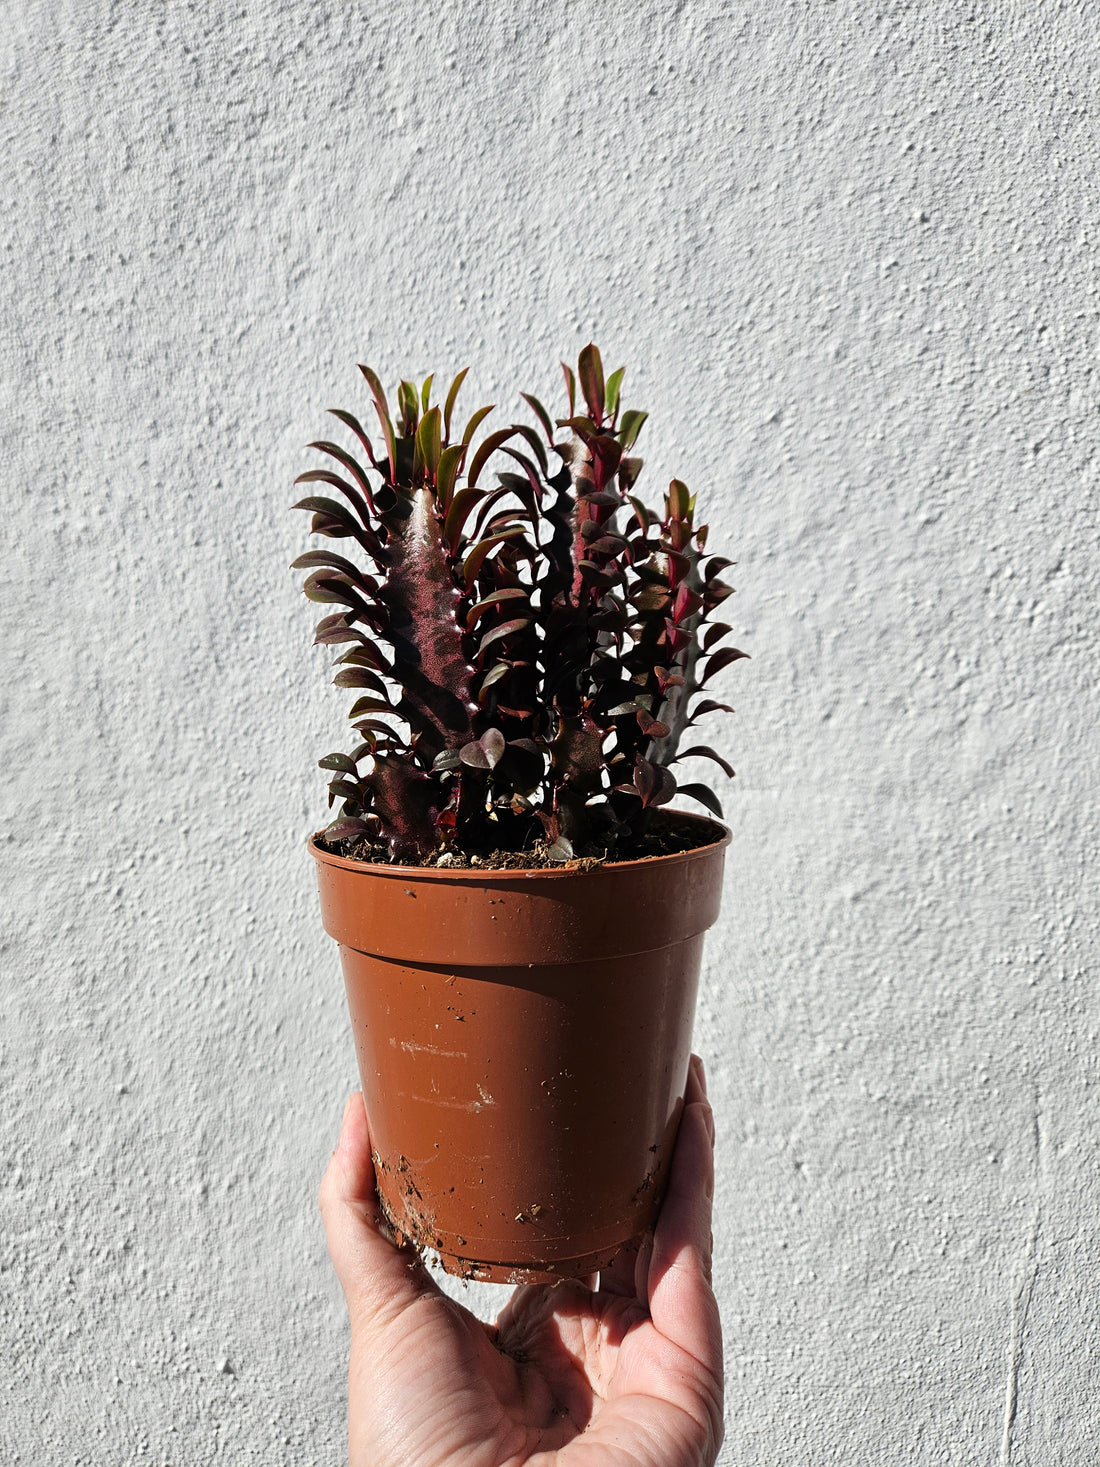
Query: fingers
[681,1300]
[621,1275]
[378,1279]
[628,1273]
[696,1088]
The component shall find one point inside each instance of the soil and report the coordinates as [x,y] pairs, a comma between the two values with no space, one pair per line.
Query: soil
[667,834]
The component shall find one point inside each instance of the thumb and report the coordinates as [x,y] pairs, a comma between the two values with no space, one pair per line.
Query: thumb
[681,1299]
[379,1279]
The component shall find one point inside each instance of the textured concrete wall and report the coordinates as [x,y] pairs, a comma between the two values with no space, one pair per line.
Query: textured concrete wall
[847,251]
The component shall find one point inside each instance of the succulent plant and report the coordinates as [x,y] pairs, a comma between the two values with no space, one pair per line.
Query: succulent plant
[527,655]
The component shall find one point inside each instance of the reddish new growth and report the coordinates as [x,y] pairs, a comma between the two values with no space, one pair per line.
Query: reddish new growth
[528,655]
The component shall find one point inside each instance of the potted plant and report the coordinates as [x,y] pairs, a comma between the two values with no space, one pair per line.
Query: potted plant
[519,911]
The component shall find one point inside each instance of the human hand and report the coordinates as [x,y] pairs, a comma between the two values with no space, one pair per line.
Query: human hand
[628,1373]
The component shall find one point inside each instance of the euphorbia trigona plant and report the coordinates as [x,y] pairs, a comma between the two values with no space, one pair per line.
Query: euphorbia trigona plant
[528,653]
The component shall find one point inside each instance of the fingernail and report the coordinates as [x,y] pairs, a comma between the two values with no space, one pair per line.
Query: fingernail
[701,1072]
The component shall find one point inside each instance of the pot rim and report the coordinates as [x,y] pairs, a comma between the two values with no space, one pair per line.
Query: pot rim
[479,875]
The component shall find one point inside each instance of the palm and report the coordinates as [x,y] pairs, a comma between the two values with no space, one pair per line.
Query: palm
[628,1373]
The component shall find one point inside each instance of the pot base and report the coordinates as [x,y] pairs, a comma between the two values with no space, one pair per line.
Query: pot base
[479,1271]
[435,1253]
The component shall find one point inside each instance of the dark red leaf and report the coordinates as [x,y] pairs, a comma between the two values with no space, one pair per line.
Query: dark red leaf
[486,449]
[527,746]
[408,401]
[606,545]
[339,762]
[644,514]
[342,788]
[450,461]
[335,635]
[333,620]
[704,751]
[652,727]
[448,406]
[540,413]
[606,455]
[324,586]
[611,395]
[349,420]
[374,725]
[486,752]
[715,593]
[531,437]
[369,705]
[504,630]
[494,743]
[326,476]
[630,425]
[494,675]
[352,465]
[597,575]
[360,677]
[570,388]
[365,655]
[489,499]
[720,659]
[650,598]
[629,469]
[708,705]
[334,514]
[461,506]
[685,603]
[472,426]
[337,563]
[590,372]
[476,558]
[346,828]
[381,407]
[654,782]
[679,500]
[429,444]
[531,494]
[323,524]
[704,795]
[509,593]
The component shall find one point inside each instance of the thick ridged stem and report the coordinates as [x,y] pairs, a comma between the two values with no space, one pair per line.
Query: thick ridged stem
[422,599]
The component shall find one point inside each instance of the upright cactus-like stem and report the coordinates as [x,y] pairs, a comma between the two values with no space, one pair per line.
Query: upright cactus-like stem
[424,604]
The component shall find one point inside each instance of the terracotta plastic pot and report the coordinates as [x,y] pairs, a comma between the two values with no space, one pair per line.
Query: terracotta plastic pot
[523,1040]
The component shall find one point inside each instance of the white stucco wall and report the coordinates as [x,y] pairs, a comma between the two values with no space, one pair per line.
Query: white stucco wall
[847,252]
